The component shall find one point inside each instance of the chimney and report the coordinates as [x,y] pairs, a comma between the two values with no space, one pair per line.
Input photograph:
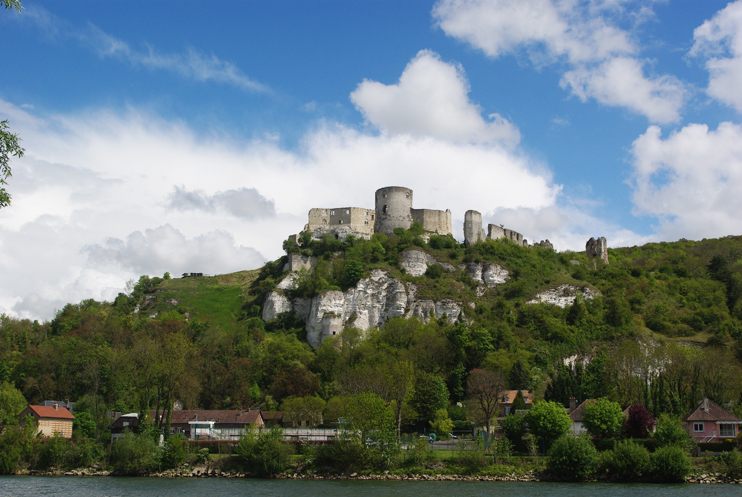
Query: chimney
[56,406]
[705,404]
[572,403]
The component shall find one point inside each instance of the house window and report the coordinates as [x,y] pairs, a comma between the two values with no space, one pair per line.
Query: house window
[507,411]
[332,213]
[347,211]
[726,430]
[698,427]
[365,222]
[341,222]
[125,423]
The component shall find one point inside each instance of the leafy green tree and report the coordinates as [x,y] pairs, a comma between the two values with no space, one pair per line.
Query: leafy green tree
[670,432]
[430,395]
[573,458]
[298,409]
[549,420]
[368,412]
[603,418]
[519,377]
[514,429]
[442,424]
[173,452]
[13,439]
[12,402]
[519,403]
[562,387]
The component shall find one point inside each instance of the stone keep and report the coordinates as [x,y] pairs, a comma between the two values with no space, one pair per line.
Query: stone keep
[473,231]
[393,209]
[597,248]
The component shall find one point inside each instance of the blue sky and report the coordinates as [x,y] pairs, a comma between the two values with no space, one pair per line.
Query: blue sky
[191,136]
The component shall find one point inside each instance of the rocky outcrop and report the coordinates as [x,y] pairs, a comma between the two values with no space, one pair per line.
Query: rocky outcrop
[486,274]
[563,295]
[415,262]
[370,303]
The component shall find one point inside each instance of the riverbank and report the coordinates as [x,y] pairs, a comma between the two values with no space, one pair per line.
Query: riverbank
[206,472]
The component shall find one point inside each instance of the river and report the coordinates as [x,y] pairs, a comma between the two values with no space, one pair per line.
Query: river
[51,486]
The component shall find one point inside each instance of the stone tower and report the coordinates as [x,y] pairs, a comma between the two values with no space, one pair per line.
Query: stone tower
[393,209]
[597,248]
[473,231]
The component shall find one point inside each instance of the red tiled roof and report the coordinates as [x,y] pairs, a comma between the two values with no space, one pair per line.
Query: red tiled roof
[714,413]
[50,412]
[223,416]
[510,396]
[576,415]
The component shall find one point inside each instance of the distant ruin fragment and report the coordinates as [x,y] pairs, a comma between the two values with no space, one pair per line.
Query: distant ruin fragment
[597,248]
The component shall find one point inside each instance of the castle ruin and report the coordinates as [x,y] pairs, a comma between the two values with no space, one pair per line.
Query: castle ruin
[393,210]
[473,231]
[597,248]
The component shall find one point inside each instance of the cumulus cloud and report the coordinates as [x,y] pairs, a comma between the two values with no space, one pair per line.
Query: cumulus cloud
[583,37]
[245,203]
[719,39]
[431,99]
[690,180]
[167,249]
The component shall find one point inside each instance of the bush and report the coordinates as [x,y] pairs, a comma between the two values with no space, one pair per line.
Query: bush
[670,432]
[346,454]
[173,452]
[435,271]
[670,464]
[548,419]
[733,462]
[603,418]
[573,458]
[639,422]
[628,461]
[53,453]
[264,453]
[513,428]
[133,455]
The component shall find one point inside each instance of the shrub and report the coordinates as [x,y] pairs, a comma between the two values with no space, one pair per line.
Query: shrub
[133,454]
[513,428]
[573,458]
[733,463]
[548,419]
[345,454]
[628,460]
[53,453]
[173,452]
[670,432]
[264,453]
[670,464]
[435,271]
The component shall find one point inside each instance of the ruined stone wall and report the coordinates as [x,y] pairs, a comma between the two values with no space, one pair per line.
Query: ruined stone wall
[341,222]
[494,232]
[433,220]
[473,231]
[393,209]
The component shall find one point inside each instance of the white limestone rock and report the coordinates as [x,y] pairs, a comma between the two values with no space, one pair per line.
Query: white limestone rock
[563,295]
[486,274]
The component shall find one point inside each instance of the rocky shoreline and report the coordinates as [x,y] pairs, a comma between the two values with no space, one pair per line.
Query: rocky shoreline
[205,472]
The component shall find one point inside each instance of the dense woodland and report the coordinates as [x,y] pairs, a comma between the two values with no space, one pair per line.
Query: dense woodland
[666,331]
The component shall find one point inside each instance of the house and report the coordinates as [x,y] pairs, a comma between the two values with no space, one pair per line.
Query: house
[70,406]
[123,423]
[507,397]
[197,424]
[575,414]
[710,423]
[50,419]
[219,425]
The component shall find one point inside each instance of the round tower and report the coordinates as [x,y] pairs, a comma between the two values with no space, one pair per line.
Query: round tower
[393,209]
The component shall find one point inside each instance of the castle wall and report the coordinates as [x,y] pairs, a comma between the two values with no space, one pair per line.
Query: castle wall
[597,248]
[393,209]
[494,232]
[433,220]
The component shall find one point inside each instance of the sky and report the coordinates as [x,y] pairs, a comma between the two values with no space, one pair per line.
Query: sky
[195,136]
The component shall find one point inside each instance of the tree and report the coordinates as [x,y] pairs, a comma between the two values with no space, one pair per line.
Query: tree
[484,388]
[519,377]
[297,409]
[369,412]
[442,424]
[429,396]
[519,403]
[264,452]
[549,420]
[603,418]
[638,422]
[12,402]
[670,432]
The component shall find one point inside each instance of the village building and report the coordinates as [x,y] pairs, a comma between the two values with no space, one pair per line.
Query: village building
[507,397]
[710,423]
[51,420]
[576,412]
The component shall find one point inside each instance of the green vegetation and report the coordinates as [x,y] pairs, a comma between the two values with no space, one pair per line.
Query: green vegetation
[573,458]
[665,330]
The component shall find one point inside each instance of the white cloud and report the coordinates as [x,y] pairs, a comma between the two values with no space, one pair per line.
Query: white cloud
[720,41]
[192,64]
[431,99]
[580,35]
[690,180]
[246,203]
[166,249]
